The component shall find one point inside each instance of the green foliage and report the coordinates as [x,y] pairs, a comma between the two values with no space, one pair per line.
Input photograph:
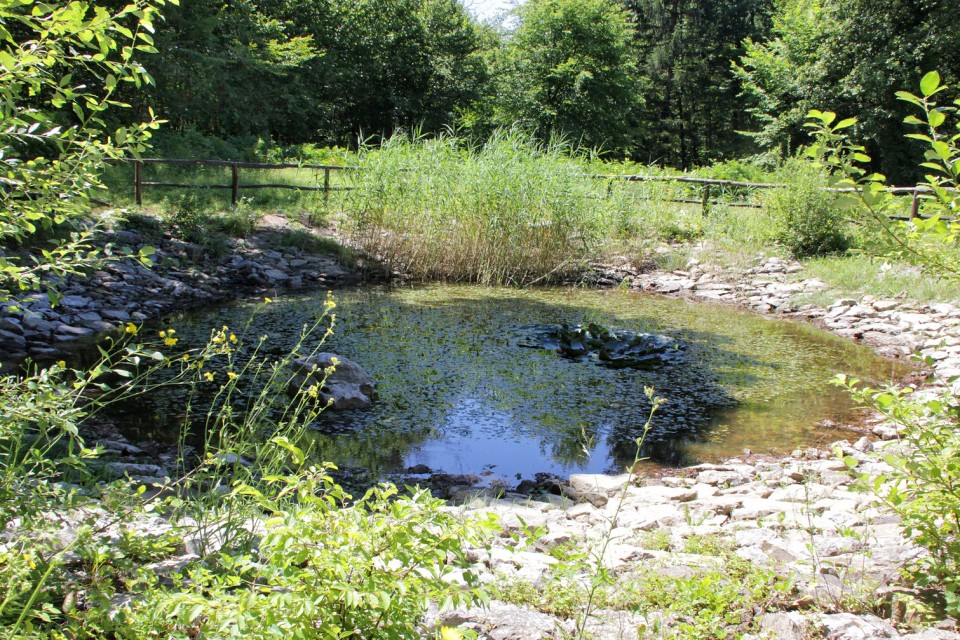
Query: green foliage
[816,57]
[923,484]
[711,603]
[194,218]
[281,551]
[783,76]
[931,240]
[324,71]
[54,135]
[810,222]
[690,105]
[923,487]
[569,69]
[322,569]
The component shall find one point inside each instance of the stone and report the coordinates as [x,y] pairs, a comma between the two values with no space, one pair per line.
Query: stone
[276,275]
[130,469]
[11,338]
[347,386]
[74,332]
[718,477]
[121,447]
[76,302]
[117,315]
[789,625]
[847,626]
[586,483]
[932,634]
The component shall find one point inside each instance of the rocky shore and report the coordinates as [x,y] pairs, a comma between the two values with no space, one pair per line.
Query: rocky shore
[183,276]
[837,552]
[800,519]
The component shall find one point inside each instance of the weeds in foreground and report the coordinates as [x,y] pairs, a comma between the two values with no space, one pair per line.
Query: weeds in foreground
[719,600]
[923,487]
[277,548]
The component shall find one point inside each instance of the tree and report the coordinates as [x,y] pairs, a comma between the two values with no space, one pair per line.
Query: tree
[568,68]
[212,55]
[784,77]
[324,71]
[850,57]
[691,98]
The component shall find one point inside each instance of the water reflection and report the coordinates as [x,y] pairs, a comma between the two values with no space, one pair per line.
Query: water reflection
[456,393]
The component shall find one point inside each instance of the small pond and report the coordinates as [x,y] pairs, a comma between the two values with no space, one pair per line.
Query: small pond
[457,391]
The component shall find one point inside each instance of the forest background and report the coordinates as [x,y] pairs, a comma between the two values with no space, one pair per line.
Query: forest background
[678,83]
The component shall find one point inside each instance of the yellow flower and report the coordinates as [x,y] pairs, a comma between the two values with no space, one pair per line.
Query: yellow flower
[130,328]
[233,338]
[231,375]
[168,338]
[267,300]
[209,376]
[449,633]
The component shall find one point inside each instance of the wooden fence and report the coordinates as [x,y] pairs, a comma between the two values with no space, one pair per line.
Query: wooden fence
[235,185]
[916,191]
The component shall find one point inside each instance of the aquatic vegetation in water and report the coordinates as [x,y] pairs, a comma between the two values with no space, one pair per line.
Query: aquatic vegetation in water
[620,349]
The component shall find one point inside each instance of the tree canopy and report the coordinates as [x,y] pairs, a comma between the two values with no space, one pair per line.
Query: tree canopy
[677,82]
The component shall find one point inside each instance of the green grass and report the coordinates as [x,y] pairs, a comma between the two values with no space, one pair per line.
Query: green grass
[293,203]
[511,211]
[857,275]
[709,604]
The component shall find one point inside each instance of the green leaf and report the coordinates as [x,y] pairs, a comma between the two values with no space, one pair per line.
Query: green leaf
[936,118]
[929,84]
[942,149]
[906,96]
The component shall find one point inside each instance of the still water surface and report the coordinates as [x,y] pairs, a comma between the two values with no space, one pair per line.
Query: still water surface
[457,393]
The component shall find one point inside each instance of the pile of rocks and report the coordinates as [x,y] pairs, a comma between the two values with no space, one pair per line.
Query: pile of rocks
[800,517]
[184,275]
[894,327]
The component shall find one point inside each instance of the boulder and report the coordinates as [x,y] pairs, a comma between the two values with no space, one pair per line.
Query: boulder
[347,386]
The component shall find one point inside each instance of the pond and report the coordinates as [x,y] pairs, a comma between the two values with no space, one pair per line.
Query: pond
[459,392]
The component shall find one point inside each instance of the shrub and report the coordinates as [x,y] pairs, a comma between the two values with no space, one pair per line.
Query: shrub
[322,569]
[810,222]
[923,486]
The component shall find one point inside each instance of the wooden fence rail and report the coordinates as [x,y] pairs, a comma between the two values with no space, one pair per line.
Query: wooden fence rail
[235,185]
[916,191]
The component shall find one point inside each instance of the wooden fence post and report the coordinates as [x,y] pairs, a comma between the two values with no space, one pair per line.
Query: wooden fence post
[915,207]
[706,199]
[234,184]
[138,182]
[326,183]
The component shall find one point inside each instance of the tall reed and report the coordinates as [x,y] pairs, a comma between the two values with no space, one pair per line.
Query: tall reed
[510,211]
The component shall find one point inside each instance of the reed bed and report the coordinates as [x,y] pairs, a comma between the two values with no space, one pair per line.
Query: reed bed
[512,211]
